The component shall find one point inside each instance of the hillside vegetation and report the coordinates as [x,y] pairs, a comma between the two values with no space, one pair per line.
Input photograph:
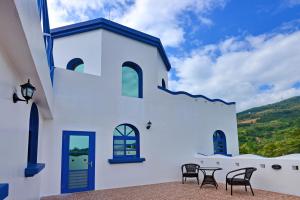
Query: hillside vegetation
[271,130]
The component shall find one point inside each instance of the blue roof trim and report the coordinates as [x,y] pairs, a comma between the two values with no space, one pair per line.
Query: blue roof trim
[102,23]
[195,96]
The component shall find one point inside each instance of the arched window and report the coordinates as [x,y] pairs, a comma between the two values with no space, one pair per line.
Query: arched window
[76,64]
[32,166]
[126,144]
[33,135]
[163,83]
[132,80]
[220,143]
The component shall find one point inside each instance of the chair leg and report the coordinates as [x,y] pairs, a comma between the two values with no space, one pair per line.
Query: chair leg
[185,179]
[231,189]
[251,189]
[198,180]
[246,188]
[226,185]
[182,180]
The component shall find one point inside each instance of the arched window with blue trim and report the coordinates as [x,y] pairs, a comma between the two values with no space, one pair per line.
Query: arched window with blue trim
[126,144]
[33,135]
[76,64]
[132,80]
[220,143]
[33,167]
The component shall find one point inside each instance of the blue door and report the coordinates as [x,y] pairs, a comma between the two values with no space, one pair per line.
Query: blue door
[78,161]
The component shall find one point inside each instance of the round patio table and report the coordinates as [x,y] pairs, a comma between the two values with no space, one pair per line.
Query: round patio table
[209,178]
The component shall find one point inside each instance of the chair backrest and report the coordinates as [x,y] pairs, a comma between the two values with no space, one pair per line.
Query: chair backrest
[249,171]
[191,167]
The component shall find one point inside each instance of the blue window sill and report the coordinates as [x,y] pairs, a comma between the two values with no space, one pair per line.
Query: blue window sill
[126,160]
[33,169]
[3,190]
[229,155]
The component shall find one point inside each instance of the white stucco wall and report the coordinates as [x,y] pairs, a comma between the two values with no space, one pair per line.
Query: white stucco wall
[14,132]
[86,46]
[22,56]
[285,180]
[181,125]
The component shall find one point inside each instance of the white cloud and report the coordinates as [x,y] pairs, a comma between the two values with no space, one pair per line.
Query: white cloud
[292,3]
[161,18]
[235,68]
[64,12]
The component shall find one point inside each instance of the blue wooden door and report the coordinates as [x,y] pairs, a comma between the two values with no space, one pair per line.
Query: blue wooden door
[78,161]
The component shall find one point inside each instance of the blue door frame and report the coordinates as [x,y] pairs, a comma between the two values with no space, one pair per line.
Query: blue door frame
[65,161]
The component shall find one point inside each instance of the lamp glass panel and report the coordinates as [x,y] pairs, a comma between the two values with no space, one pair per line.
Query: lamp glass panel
[29,92]
[24,92]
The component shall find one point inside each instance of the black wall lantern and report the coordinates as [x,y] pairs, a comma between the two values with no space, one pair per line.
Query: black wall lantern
[148,125]
[27,91]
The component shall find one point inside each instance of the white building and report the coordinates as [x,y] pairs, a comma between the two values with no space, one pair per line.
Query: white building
[108,119]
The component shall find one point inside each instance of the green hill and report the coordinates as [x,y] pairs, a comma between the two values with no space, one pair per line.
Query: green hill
[271,130]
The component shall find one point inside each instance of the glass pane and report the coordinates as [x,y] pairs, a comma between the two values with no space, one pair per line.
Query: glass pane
[130,145]
[119,147]
[117,132]
[78,161]
[129,131]
[130,153]
[119,153]
[119,142]
[132,133]
[78,152]
[79,68]
[130,82]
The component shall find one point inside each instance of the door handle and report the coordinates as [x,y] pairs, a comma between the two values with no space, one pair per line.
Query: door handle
[91,163]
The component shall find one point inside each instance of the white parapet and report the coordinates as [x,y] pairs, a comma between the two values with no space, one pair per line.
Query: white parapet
[284,180]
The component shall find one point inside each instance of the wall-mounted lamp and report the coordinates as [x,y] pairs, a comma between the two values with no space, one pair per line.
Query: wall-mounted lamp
[148,125]
[27,91]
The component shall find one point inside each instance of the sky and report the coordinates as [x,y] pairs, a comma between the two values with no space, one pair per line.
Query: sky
[247,51]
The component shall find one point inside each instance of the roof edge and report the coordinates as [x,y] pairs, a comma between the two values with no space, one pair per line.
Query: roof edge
[195,96]
[114,27]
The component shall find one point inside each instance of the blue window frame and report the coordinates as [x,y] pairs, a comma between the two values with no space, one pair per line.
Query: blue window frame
[132,80]
[76,64]
[126,144]
[220,143]
[32,166]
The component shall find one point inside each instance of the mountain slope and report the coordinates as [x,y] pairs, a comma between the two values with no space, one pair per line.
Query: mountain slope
[271,130]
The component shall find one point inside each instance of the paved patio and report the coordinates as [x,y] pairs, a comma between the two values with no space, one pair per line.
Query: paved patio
[172,191]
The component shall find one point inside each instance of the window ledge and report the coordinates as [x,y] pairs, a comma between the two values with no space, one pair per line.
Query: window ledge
[33,169]
[3,190]
[228,155]
[126,160]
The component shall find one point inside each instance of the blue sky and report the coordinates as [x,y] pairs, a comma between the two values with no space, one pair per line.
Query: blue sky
[238,50]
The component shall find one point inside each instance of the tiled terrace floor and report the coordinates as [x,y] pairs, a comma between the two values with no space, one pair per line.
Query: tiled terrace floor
[173,191]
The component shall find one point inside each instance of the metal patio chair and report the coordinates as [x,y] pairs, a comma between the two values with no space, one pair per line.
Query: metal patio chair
[241,177]
[190,170]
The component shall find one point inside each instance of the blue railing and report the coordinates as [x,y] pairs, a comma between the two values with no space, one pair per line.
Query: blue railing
[43,11]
